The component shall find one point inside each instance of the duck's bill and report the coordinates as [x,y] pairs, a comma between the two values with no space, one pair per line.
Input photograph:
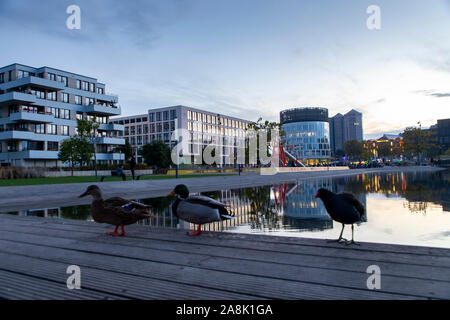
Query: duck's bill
[83,195]
[171,194]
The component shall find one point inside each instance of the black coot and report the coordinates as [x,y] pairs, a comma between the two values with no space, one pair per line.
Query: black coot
[343,208]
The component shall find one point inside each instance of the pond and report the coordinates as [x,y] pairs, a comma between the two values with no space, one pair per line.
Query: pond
[401,208]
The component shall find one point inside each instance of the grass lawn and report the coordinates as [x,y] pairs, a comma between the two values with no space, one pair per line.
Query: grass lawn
[65,180]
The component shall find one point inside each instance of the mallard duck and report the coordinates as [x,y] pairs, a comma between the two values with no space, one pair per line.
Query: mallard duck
[342,207]
[116,211]
[197,209]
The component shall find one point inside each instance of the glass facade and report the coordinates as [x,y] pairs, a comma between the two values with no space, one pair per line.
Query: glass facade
[308,140]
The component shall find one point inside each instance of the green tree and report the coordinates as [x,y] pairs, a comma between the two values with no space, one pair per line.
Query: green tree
[157,154]
[126,149]
[384,149]
[76,150]
[417,141]
[353,148]
[254,129]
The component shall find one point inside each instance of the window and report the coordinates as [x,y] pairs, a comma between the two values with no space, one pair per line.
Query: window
[79,116]
[132,130]
[79,84]
[166,115]
[145,129]
[2,77]
[51,96]
[64,130]
[52,146]
[173,114]
[52,76]
[65,114]
[92,87]
[51,129]
[100,91]
[78,100]
[127,131]
[151,117]
[139,129]
[22,74]
[139,140]
[38,128]
[85,86]
[65,97]
[158,116]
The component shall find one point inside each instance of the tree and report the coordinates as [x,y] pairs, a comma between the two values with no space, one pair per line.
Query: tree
[126,149]
[384,149]
[417,141]
[353,148]
[76,150]
[255,128]
[157,154]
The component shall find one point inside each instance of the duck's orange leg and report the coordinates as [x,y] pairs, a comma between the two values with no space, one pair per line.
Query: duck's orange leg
[196,232]
[115,233]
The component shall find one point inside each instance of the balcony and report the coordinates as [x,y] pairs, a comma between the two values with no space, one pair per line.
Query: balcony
[111,127]
[17,134]
[32,117]
[103,110]
[110,156]
[17,97]
[35,82]
[109,140]
[29,154]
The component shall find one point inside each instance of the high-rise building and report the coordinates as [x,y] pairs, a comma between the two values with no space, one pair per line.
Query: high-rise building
[204,128]
[39,108]
[345,127]
[307,134]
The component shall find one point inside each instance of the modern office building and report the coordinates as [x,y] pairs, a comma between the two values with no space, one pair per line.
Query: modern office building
[203,127]
[39,108]
[443,133]
[307,134]
[345,127]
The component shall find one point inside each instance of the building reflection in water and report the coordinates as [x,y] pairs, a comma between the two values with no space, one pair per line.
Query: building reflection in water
[290,206]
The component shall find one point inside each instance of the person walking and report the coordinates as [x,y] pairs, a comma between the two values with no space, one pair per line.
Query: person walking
[132,163]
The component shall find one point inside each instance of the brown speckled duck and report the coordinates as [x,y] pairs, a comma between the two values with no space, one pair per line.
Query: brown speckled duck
[116,211]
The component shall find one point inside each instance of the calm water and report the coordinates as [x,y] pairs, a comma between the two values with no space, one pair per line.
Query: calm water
[402,208]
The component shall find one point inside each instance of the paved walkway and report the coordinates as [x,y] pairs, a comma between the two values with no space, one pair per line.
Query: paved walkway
[31,197]
[151,263]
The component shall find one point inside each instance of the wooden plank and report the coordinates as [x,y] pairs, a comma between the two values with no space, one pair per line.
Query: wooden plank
[121,285]
[293,258]
[336,278]
[215,239]
[262,287]
[254,238]
[16,286]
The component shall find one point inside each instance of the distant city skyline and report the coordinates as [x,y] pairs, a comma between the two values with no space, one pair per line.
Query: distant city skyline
[248,59]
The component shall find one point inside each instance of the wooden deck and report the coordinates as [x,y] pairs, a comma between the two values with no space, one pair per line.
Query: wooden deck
[167,264]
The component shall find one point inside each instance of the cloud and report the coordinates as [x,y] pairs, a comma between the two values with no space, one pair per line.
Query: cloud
[431,93]
[138,22]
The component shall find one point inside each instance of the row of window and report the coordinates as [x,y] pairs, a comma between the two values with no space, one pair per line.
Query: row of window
[216,120]
[54,77]
[89,86]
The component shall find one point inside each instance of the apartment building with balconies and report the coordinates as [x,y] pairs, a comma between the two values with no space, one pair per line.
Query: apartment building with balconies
[39,108]
[203,127]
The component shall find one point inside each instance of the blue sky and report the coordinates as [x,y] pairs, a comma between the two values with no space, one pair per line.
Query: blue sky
[248,58]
